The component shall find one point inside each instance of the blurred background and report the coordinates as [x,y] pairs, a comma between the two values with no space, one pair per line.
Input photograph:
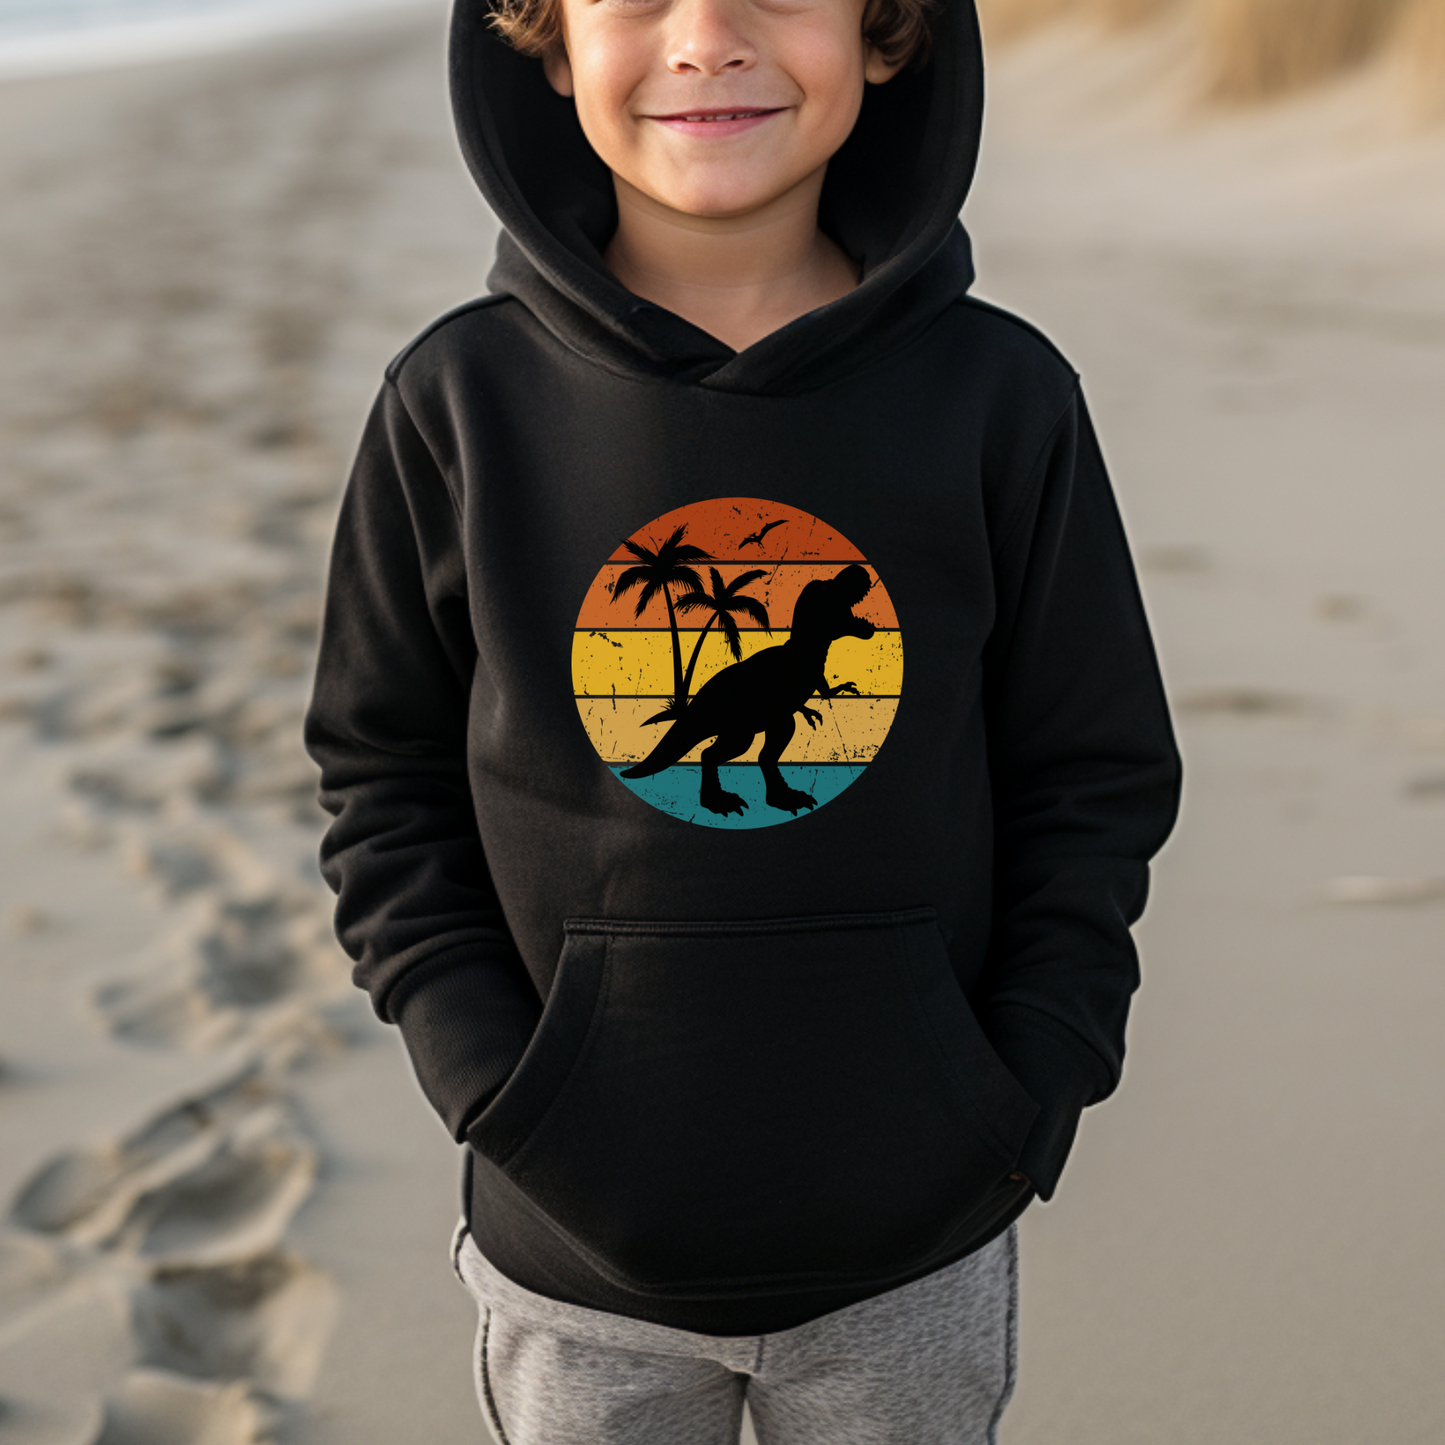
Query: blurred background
[224,1207]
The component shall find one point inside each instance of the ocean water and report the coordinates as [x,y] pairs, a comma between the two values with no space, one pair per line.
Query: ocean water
[40,36]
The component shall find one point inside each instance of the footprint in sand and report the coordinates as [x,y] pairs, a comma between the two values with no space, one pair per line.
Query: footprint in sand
[230,960]
[263,1319]
[184,1215]
[246,942]
[155,1408]
[211,1180]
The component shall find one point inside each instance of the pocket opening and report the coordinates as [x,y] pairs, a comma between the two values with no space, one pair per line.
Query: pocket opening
[1003,1108]
[742,927]
[570,1018]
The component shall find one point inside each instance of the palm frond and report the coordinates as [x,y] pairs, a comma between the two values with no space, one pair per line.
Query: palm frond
[653,587]
[734,637]
[633,577]
[752,608]
[743,578]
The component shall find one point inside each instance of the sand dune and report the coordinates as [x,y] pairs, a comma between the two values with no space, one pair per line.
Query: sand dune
[1253,50]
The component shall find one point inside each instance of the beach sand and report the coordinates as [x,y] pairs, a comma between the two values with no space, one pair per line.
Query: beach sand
[1245,1245]
[226,1206]
[233,1206]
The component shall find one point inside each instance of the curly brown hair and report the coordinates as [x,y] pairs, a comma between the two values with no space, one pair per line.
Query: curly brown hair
[896,29]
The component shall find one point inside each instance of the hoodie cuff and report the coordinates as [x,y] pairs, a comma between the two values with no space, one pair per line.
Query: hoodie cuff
[1061,1074]
[466,1021]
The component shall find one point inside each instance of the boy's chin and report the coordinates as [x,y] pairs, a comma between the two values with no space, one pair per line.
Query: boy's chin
[728,200]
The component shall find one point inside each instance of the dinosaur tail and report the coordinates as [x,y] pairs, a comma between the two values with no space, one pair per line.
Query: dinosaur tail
[677,740]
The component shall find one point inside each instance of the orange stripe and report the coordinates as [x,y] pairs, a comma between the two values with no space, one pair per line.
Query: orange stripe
[722,525]
[777,591]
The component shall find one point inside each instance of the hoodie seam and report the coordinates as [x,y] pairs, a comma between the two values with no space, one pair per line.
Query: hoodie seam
[976,303]
[1033,484]
[440,470]
[477,303]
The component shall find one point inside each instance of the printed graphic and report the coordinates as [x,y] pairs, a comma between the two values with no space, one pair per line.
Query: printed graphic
[703,640]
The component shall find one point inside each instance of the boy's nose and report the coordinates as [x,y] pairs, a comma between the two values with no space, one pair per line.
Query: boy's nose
[705,38]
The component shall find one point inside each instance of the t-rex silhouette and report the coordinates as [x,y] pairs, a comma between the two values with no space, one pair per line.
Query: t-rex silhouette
[761,693]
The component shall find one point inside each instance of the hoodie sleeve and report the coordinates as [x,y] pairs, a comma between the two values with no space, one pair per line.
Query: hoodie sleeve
[1086,781]
[387,723]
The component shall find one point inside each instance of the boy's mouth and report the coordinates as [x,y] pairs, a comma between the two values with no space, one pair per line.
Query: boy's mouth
[718,122]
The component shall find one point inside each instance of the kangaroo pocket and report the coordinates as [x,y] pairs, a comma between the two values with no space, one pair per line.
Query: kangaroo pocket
[746,1104]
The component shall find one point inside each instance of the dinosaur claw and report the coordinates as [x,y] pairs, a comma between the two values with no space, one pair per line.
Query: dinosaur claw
[723,803]
[791,800]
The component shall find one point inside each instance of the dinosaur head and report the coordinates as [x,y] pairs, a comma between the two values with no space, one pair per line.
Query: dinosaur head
[825,608]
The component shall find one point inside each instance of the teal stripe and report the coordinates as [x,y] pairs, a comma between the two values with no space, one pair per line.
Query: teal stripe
[674,790]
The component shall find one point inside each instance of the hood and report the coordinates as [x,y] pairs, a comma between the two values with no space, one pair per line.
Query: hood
[891,200]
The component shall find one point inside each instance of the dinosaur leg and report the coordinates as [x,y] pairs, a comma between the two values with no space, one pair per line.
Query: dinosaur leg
[713,796]
[780,795]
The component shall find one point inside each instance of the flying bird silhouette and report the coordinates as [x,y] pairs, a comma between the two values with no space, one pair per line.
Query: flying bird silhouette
[758,536]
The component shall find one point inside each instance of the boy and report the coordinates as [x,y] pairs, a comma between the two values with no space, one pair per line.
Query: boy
[761,1022]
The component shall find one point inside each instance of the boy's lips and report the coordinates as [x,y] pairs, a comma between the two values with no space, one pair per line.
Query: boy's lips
[716,122]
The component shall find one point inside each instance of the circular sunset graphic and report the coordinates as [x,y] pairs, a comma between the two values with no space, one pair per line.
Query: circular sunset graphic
[737,663]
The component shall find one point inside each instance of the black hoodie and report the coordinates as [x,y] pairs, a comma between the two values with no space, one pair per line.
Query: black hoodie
[747,1006]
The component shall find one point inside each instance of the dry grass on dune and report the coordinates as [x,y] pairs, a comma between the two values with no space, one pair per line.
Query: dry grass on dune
[1253,49]
[1004,19]
[1421,38]
[1258,48]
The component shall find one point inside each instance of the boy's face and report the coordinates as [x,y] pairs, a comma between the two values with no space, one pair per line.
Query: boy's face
[715,107]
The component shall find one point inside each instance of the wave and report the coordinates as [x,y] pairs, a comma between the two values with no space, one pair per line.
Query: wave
[40,37]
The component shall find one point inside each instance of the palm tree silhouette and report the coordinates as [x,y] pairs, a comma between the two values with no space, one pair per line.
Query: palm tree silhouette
[661,569]
[724,600]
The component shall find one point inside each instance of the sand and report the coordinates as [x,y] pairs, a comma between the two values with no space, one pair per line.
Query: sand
[1245,1247]
[226,1205]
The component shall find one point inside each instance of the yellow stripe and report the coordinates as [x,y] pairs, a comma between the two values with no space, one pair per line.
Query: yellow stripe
[850,732]
[621,661]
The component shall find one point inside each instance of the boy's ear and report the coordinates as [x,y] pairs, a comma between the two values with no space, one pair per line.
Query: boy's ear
[877,68]
[557,68]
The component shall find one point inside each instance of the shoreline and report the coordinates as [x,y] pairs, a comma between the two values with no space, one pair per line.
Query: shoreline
[84,50]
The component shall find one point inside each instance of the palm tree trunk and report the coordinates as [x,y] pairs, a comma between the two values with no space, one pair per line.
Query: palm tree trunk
[692,661]
[677,692]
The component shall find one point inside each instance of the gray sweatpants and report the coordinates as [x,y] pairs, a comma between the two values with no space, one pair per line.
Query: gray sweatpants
[928,1363]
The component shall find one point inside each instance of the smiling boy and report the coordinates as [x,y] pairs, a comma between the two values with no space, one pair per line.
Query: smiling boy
[754,1079]
[717,123]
